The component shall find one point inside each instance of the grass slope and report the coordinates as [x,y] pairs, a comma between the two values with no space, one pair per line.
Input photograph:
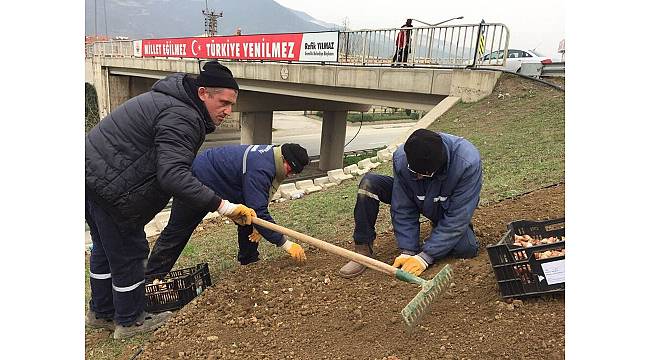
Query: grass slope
[519,131]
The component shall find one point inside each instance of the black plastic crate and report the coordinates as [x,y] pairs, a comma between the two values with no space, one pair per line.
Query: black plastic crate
[519,273]
[176,289]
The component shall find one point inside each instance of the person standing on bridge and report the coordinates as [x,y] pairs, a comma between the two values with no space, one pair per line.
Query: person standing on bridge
[403,44]
[249,174]
[137,158]
[437,175]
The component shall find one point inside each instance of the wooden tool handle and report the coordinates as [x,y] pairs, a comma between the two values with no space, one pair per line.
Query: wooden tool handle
[351,255]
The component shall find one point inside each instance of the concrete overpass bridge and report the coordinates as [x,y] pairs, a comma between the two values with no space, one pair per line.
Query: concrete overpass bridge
[333,88]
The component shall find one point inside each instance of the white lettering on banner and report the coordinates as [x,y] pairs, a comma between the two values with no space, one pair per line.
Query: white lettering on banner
[283,50]
[275,52]
[152,49]
[169,49]
[258,51]
[224,50]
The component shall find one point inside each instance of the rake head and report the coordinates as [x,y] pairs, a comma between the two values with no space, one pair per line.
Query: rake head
[431,289]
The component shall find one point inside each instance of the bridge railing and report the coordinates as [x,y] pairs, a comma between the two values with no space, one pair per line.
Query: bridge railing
[453,46]
[433,46]
[112,48]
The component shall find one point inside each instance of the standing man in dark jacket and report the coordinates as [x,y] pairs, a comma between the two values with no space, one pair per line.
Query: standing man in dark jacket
[137,158]
[403,44]
[248,174]
[437,175]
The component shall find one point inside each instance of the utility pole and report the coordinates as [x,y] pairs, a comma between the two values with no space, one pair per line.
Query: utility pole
[96,19]
[105,20]
[210,22]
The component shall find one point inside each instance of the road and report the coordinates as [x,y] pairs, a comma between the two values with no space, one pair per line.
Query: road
[292,126]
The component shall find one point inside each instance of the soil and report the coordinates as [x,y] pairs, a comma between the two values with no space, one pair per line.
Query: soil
[278,310]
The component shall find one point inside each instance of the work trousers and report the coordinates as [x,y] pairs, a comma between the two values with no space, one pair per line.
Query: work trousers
[374,188]
[116,267]
[401,55]
[172,240]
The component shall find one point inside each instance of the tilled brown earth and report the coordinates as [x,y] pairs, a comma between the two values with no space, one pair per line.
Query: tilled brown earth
[278,310]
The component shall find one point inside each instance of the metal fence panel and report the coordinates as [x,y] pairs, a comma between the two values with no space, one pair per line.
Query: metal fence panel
[454,46]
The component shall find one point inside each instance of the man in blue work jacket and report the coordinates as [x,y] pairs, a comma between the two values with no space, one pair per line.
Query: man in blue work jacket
[246,174]
[437,175]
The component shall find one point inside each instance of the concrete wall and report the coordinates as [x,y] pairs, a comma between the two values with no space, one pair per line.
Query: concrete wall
[472,86]
[352,88]
[359,85]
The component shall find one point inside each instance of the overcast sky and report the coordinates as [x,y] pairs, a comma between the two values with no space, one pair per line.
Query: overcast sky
[532,24]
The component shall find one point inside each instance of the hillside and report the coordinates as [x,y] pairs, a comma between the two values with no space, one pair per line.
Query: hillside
[165,18]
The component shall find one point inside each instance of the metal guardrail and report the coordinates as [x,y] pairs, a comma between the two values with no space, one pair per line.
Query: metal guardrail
[452,46]
[553,69]
[434,46]
[112,48]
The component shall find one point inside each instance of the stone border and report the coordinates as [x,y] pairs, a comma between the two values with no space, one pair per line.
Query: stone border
[299,189]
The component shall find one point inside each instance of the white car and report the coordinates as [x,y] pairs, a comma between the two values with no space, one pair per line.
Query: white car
[515,59]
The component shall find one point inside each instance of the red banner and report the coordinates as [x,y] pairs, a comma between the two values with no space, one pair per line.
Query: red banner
[245,47]
[318,46]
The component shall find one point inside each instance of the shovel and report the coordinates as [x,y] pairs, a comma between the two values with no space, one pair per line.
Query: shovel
[419,305]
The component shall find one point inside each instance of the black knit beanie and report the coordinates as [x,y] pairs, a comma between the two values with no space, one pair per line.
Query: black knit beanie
[296,156]
[216,75]
[425,151]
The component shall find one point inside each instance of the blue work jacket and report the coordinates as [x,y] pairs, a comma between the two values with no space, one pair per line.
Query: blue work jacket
[243,174]
[448,199]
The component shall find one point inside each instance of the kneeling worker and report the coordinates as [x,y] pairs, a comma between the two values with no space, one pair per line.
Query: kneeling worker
[435,174]
[247,174]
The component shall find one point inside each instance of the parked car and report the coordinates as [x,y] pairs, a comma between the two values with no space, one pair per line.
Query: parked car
[515,59]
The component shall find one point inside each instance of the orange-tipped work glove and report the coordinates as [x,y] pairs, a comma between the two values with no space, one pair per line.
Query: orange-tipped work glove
[411,263]
[238,213]
[255,236]
[296,251]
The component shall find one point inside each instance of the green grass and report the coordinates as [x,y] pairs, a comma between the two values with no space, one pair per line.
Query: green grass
[520,136]
[370,117]
[349,160]
[355,116]
[521,140]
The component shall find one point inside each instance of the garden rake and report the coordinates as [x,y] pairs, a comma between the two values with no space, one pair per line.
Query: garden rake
[415,309]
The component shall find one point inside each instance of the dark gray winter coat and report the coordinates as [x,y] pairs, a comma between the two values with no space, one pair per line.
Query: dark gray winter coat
[140,155]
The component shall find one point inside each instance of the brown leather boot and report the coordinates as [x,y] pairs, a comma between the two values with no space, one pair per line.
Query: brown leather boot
[353,269]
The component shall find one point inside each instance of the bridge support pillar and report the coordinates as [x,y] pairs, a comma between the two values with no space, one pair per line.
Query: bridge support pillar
[332,140]
[118,89]
[256,127]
